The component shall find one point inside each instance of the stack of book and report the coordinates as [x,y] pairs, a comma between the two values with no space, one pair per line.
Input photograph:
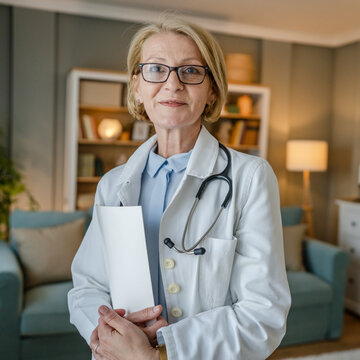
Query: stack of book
[86,165]
[245,132]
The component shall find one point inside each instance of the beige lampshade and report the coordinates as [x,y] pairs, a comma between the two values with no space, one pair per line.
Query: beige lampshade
[109,129]
[311,155]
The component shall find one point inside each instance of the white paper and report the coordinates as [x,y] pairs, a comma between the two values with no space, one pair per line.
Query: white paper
[122,230]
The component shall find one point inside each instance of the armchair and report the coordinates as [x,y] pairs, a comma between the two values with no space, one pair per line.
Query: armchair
[318,293]
[34,322]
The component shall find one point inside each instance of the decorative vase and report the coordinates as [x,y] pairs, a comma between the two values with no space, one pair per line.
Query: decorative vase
[109,129]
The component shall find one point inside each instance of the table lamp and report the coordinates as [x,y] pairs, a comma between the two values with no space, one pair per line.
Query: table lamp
[306,156]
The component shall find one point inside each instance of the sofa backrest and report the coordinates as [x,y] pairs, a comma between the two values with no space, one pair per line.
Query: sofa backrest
[291,215]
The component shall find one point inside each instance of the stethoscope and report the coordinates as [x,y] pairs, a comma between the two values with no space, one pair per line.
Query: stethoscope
[224,176]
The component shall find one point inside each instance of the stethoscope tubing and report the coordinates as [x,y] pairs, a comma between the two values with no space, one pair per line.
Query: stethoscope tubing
[224,176]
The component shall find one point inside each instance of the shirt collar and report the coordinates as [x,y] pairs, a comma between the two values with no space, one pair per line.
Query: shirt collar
[176,163]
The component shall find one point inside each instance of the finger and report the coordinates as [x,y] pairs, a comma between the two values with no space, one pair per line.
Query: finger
[94,348]
[144,315]
[94,336]
[151,331]
[161,322]
[120,312]
[110,317]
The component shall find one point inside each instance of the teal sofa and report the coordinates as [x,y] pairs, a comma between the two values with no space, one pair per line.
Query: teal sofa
[317,294]
[34,324]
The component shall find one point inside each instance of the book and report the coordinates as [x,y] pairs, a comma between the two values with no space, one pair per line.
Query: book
[237,132]
[89,126]
[86,165]
[99,167]
[251,133]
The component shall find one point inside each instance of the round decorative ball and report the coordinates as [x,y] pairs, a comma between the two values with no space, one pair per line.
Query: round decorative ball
[109,129]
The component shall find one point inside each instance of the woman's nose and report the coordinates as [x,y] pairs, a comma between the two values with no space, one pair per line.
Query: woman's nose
[173,82]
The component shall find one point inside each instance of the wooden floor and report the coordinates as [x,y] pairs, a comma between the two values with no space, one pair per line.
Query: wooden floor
[350,339]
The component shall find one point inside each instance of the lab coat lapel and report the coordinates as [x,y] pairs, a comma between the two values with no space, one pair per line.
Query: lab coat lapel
[204,155]
[130,180]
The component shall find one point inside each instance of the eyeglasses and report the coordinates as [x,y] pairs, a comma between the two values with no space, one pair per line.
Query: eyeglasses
[187,74]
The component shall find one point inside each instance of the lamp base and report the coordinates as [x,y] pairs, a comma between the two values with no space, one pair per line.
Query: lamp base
[308,209]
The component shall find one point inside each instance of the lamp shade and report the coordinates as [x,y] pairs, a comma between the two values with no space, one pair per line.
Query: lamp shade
[311,155]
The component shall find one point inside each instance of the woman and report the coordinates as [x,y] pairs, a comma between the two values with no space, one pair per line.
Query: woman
[232,301]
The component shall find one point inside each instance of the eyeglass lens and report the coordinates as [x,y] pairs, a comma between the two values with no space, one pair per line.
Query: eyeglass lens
[188,74]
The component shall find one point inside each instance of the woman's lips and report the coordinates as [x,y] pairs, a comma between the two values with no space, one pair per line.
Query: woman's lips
[172,103]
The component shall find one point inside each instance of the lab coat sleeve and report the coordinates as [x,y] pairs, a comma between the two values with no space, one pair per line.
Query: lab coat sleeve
[91,288]
[252,328]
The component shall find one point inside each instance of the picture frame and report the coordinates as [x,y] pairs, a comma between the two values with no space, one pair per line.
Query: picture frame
[140,131]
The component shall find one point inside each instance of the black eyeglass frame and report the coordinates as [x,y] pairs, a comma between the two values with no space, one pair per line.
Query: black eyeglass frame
[176,69]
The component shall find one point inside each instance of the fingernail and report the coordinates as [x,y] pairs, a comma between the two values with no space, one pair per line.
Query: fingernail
[156,308]
[103,309]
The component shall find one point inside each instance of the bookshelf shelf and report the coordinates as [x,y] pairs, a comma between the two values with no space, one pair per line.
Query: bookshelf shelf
[111,109]
[243,147]
[239,116]
[88,179]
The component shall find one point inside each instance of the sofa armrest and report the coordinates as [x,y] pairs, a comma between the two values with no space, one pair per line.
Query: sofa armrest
[327,261]
[330,263]
[11,289]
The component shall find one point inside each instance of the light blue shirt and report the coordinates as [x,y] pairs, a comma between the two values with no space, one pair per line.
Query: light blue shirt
[160,179]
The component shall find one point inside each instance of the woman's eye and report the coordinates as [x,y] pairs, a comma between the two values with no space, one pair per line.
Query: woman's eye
[191,70]
[156,68]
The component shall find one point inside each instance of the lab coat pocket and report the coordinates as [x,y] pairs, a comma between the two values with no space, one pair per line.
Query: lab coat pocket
[215,270]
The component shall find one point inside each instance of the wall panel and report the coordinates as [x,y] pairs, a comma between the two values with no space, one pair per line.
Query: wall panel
[33,100]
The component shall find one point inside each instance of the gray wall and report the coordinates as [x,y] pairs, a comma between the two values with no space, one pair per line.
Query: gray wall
[33,100]
[5,37]
[310,88]
[300,78]
[345,132]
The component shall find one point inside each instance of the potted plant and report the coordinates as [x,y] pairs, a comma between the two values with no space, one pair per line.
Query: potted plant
[11,185]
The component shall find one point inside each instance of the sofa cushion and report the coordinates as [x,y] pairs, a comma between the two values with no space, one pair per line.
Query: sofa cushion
[308,290]
[41,219]
[291,215]
[46,254]
[46,311]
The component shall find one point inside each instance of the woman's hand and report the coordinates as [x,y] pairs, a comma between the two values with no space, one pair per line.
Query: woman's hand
[120,339]
[142,317]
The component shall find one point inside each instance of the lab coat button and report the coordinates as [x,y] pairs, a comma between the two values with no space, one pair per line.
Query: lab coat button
[176,312]
[173,288]
[169,264]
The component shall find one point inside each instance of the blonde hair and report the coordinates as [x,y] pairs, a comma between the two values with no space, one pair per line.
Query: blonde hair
[209,49]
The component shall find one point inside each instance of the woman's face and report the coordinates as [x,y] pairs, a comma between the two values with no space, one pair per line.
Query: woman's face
[173,105]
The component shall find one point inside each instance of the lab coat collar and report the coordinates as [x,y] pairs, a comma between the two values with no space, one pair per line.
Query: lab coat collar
[204,155]
[130,179]
[201,165]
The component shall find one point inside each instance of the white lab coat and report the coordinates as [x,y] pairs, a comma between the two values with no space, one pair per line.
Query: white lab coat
[235,298]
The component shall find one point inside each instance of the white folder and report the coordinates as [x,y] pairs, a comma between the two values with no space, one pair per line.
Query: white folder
[122,230]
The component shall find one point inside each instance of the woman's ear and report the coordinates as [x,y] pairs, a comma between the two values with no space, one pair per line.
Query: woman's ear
[211,97]
[135,81]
